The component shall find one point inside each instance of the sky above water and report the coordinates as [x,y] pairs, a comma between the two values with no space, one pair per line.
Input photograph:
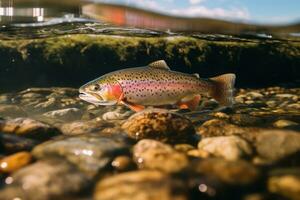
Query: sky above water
[258,11]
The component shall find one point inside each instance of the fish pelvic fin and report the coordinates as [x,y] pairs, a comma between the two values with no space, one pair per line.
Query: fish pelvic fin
[190,104]
[132,106]
[222,89]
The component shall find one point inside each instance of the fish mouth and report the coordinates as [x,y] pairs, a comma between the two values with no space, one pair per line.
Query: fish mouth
[95,99]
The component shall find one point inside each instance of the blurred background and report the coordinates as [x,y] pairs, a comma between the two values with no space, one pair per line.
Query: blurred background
[249,38]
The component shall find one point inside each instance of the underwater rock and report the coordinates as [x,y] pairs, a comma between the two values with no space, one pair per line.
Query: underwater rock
[184,148]
[215,178]
[221,115]
[38,90]
[65,114]
[159,124]
[246,120]
[282,123]
[13,143]
[85,127]
[49,104]
[27,127]
[263,196]
[122,163]
[295,106]
[31,95]
[287,96]
[14,162]
[118,114]
[254,95]
[6,98]
[137,185]
[46,179]
[285,182]
[151,154]
[217,127]
[77,53]
[49,99]
[198,153]
[238,172]
[277,144]
[90,153]
[228,147]
[240,98]
[12,111]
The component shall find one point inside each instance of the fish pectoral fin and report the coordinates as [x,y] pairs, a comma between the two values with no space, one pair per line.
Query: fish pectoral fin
[132,106]
[189,103]
[159,64]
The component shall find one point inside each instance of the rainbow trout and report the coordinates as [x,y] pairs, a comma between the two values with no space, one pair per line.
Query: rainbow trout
[156,85]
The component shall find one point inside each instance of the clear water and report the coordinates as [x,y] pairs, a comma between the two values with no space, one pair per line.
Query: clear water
[49,48]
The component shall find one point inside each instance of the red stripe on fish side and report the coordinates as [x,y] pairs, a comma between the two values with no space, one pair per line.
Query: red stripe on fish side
[116,91]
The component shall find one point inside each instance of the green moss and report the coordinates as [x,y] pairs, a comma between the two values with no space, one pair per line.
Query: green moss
[72,60]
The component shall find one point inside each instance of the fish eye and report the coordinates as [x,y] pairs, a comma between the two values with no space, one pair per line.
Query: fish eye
[95,87]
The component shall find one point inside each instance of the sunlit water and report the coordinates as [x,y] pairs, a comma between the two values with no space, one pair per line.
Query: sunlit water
[35,19]
[49,48]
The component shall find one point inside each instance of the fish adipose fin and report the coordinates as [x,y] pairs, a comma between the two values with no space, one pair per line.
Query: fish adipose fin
[134,107]
[189,104]
[160,64]
[222,89]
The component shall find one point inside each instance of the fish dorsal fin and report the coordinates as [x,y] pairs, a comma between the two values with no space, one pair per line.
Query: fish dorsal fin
[160,64]
[197,75]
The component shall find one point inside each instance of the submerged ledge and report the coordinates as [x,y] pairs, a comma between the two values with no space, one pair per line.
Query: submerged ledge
[75,59]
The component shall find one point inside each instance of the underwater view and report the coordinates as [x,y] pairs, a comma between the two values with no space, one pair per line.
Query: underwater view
[149,100]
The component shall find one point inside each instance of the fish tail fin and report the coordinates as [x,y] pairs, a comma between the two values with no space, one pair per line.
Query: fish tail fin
[222,89]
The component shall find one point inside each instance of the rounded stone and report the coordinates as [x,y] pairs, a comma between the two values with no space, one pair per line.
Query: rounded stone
[28,128]
[282,123]
[90,153]
[151,154]
[198,153]
[246,120]
[140,185]
[46,179]
[84,127]
[122,163]
[221,115]
[285,182]
[238,172]
[159,124]
[277,144]
[116,115]
[255,95]
[228,147]
[184,148]
[216,127]
[65,114]
[14,162]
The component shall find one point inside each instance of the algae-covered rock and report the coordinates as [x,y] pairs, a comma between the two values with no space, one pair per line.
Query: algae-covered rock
[74,59]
